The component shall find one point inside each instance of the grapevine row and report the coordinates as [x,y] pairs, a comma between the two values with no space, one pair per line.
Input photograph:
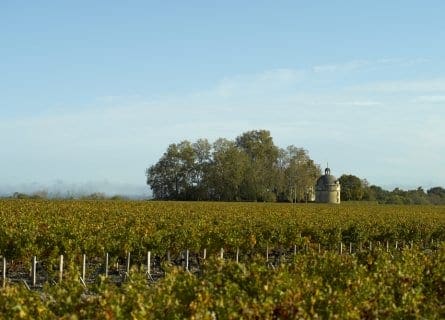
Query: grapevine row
[49,229]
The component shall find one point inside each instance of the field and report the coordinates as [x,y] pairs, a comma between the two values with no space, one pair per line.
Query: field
[222,260]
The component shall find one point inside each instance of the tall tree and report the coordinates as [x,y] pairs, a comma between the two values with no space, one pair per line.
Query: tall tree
[351,188]
[172,176]
[298,172]
[260,180]
[227,170]
[436,195]
[250,168]
[200,172]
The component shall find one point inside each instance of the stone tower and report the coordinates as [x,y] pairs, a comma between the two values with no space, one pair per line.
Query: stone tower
[327,188]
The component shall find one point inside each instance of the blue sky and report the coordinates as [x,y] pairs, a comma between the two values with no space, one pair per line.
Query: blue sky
[92,92]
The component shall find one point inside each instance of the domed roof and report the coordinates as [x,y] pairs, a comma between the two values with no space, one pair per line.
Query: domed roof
[326,179]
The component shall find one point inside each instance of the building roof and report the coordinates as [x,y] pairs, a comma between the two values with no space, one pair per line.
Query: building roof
[326,179]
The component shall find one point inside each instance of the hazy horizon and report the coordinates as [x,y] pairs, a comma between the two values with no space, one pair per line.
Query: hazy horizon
[92,93]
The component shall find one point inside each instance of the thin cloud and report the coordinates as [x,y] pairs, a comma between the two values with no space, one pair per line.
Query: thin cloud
[401,62]
[271,80]
[363,103]
[348,66]
[428,85]
[358,64]
[121,136]
[430,99]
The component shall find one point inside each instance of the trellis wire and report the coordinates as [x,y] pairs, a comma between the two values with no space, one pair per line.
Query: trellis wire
[272,256]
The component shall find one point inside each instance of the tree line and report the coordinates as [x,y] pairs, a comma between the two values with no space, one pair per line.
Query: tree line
[45,195]
[249,168]
[355,189]
[253,168]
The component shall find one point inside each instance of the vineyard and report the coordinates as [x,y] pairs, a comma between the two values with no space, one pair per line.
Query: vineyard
[207,260]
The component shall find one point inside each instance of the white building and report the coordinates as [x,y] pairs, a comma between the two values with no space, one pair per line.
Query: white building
[327,188]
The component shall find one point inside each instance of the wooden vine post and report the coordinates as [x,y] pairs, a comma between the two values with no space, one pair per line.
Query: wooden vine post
[33,271]
[4,273]
[148,262]
[84,262]
[61,269]
[106,265]
[128,263]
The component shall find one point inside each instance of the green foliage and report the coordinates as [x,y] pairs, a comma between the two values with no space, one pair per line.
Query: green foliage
[73,227]
[355,189]
[227,171]
[416,196]
[352,188]
[36,195]
[298,174]
[251,168]
[436,195]
[94,196]
[408,285]
[310,284]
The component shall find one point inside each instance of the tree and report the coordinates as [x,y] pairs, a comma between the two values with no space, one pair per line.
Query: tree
[377,193]
[227,170]
[201,166]
[298,174]
[415,196]
[250,168]
[173,175]
[436,195]
[351,188]
[368,195]
[260,178]
[438,191]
